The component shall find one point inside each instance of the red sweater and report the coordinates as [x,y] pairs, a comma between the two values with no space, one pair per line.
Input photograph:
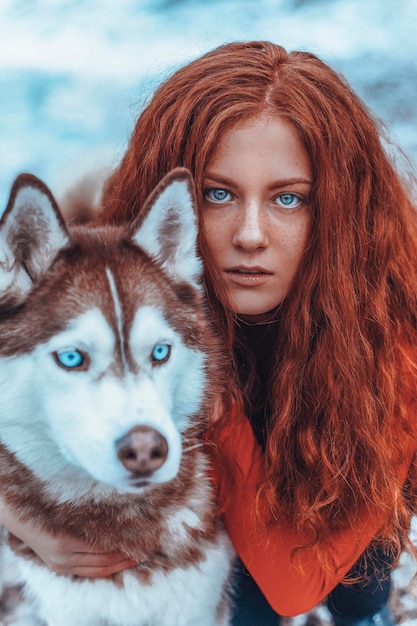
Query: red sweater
[267,555]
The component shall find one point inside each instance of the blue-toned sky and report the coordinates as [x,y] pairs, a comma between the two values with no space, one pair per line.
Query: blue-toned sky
[74,74]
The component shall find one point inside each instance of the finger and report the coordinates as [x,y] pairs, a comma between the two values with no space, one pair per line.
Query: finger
[98,558]
[88,557]
[98,571]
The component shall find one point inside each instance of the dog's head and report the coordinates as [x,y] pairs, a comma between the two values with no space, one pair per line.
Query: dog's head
[103,337]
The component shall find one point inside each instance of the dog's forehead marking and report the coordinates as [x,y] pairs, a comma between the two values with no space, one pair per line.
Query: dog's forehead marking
[119,315]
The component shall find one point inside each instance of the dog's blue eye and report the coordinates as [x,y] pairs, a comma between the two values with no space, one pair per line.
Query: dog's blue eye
[69,359]
[161,352]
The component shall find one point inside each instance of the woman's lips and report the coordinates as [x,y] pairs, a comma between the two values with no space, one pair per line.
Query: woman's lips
[248,277]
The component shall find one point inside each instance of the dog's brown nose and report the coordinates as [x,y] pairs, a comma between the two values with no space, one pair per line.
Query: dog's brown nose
[142,450]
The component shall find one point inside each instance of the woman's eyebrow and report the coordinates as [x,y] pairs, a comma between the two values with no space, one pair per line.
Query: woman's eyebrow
[294,180]
[218,178]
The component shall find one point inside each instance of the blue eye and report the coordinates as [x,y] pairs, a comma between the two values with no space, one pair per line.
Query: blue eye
[69,358]
[288,200]
[217,195]
[161,352]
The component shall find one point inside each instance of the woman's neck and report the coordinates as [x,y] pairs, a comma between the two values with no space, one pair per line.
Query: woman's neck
[261,319]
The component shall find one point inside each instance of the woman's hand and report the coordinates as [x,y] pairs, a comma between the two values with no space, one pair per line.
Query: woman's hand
[63,555]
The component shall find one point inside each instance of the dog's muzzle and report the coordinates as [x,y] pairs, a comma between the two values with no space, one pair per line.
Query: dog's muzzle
[142,451]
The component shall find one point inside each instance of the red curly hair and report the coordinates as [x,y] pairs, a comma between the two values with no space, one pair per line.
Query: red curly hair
[343,377]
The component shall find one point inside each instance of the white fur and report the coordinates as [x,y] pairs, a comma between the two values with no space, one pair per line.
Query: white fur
[184,392]
[64,424]
[178,522]
[185,263]
[36,210]
[182,597]
[97,402]
[11,275]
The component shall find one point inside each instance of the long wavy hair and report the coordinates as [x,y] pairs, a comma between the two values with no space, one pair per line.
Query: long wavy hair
[342,390]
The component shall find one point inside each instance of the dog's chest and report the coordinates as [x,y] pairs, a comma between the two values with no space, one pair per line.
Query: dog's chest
[185,595]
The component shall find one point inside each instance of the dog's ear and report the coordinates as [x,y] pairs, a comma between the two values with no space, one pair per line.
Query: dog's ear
[168,232]
[32,232]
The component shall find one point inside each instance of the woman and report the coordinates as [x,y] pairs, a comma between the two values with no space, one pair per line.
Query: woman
[309,242]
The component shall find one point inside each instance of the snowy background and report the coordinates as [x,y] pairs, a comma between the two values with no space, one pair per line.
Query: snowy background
[74,75]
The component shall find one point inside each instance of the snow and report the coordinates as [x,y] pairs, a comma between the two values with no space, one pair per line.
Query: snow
[75,73]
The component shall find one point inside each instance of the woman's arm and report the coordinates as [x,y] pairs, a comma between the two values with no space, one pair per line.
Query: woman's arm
[62,554]
[267,552]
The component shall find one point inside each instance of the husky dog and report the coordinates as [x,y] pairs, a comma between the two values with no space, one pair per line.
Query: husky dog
[109,370]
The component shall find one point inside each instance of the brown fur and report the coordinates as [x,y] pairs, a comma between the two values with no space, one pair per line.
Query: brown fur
[132,523]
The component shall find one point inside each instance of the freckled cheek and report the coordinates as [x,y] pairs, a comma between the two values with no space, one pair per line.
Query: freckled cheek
[217,237]
[297,241]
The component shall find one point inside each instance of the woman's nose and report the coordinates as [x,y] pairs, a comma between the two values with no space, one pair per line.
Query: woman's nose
[250,228]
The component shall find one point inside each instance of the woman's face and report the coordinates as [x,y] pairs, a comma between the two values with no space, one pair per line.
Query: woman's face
[256,212]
